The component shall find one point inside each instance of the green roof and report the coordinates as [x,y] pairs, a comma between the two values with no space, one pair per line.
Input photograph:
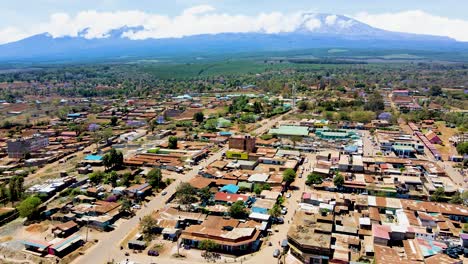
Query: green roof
[245,185]
[403,148]
[290,131]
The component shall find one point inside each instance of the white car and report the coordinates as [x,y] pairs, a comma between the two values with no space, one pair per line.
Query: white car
[288,195]
[136,206]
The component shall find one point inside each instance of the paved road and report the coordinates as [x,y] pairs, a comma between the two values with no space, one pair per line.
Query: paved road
[108,246]
[368,148]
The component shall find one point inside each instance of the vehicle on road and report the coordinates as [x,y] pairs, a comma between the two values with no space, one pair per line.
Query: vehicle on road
[278,220]
[136,206]
[288,195]
[163,193]
[284,210]
[153,253]
[276,253]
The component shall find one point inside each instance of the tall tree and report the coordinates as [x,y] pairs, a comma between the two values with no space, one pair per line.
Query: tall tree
[199,117]
[28,207]
[289,175]
[238,210]
[155,178]
[186,194]
[172,144]
[147,225]
[338,180]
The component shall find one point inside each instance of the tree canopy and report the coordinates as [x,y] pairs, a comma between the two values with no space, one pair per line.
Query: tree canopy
[113,159]
[172,143]
[155,178]
[314,178]
[438,195]
[462,148]
[199,117]
[289,175]
[28,207]
[338,180]
[186,194]
[238,210]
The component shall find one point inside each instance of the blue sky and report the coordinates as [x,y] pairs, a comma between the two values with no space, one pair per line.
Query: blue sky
[21,18]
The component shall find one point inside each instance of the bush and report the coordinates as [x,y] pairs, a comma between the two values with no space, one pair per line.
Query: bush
[28,207]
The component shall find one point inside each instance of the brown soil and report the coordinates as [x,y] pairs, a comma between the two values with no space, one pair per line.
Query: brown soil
[37,228]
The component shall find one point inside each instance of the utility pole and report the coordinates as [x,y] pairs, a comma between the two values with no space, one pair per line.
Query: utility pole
[87,228]
[293,94]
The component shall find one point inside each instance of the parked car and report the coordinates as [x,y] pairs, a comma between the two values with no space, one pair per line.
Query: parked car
[276,253]
[284,211]
[288,195]
[136,206]
[163,193]
[284,243]
[154,253]
[279,220]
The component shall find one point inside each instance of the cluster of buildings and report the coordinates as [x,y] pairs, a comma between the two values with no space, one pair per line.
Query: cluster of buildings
[345,228]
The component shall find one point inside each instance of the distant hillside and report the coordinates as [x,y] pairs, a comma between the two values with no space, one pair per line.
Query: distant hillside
[344,32]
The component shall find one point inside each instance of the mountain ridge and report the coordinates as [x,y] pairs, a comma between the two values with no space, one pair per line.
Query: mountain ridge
[314,31]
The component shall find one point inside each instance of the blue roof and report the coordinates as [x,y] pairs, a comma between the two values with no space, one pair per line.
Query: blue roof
[230,188]
[93,157]
[38,244]
[351,148]
[259,210]
[225,133]
[66,242]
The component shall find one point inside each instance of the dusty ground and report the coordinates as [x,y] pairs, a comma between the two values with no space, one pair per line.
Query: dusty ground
[446,132]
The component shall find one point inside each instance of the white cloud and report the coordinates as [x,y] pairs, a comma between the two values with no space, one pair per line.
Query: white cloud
[204,19]
[416,21]
[11,34]
[330,20]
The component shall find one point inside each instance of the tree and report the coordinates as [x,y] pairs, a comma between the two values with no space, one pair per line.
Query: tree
[338,180]
[114,120]
[172,143]
[362,116]
[205,194]
[211,124]
[296,139]
[28,207]
[462,148]
[147,225]
[438,195]
[289,175]
[106,134]
[186,194]
[113,159]
[155,178]
[456,199]
[15,187]
[126,206]
[275,211]
[237,210]
[96,177]
[257,107]
[375,103]
[303,106]
[314,178]
[199,117]
[435,90]
[126,179]
[3,193]
[207,245]
[112,178]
